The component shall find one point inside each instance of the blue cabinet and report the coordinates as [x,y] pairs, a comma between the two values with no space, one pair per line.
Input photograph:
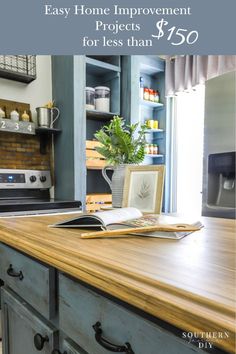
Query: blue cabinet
[20,272]
[87,321]
[24,330]
[98,324]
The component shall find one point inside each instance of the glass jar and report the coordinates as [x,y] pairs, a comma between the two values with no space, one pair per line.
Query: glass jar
[156,96]
[151,95]
[146,94]
[151,149]
[102,99]
[155,124]
[155,150]
[90,98]
[149,123]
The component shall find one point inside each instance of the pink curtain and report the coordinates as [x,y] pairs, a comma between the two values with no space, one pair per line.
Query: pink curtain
[184,72]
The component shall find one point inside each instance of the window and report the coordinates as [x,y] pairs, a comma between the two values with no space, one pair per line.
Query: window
[187,161]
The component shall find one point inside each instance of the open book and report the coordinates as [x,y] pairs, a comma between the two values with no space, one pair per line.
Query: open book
[125,218]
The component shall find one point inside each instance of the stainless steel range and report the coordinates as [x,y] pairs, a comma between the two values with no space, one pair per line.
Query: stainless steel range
[28,192]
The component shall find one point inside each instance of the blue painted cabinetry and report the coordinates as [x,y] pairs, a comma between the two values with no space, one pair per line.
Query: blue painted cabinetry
[152,71]
[70,76]
[24,329]
[86,321]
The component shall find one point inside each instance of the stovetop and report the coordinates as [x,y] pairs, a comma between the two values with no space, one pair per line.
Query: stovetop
[34,205]
[28,192]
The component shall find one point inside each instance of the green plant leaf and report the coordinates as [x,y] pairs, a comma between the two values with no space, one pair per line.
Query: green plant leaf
[121,143]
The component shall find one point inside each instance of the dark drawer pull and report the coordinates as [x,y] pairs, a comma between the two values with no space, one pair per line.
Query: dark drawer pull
[14,274]
[39,341]
[108,345]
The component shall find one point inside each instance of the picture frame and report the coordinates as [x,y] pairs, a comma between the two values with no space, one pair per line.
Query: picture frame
[143,188]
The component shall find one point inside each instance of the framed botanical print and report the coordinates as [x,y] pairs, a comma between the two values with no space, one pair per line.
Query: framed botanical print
[143,188]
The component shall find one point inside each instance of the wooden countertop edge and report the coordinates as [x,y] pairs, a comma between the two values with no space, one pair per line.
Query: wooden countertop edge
[168,306]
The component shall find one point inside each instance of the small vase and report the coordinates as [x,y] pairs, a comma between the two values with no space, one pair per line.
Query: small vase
[14,115]
[2,113]
[25,117]
[116,183]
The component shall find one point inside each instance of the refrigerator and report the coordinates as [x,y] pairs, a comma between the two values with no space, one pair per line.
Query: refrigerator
[218,199]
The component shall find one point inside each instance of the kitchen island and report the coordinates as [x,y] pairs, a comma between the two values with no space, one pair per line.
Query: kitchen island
[188,284]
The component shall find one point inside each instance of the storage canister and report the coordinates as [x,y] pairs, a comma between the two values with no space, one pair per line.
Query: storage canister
[90,98]
[102,98]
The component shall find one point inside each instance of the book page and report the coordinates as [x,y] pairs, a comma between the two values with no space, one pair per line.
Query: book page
[118,215]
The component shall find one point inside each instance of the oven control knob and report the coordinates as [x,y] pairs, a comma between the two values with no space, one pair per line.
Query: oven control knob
[43,178]
[33,178]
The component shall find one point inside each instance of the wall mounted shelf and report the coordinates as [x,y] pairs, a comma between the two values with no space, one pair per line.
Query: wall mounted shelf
[98,115]
[151,104]
[48,131]
[151,66]
[7,125]
[154,131]
[154,156]
[44,134]
[99,68]
[20,68]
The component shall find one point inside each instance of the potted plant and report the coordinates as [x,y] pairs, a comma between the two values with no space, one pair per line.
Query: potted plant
[121,144]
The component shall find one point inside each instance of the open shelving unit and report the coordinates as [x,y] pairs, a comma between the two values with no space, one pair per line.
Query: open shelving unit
[152,70]
[75,180]
[76,175]
[100,71]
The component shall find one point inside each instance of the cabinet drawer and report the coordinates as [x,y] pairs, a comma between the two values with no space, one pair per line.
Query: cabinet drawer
[24,330]
[33,281]
[81,308]
[68,347]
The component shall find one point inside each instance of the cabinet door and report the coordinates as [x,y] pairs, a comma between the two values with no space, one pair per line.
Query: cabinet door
[24,330]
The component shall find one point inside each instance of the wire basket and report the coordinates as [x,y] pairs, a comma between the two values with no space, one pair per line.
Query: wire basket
[18,67]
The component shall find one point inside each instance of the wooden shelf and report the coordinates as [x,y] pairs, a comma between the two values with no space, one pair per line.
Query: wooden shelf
[94,160]
[94,167]
[98,115]
[7,125]
[151,104]
[96,201]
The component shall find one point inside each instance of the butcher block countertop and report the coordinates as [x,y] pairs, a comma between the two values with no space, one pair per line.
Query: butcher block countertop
[189,283]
